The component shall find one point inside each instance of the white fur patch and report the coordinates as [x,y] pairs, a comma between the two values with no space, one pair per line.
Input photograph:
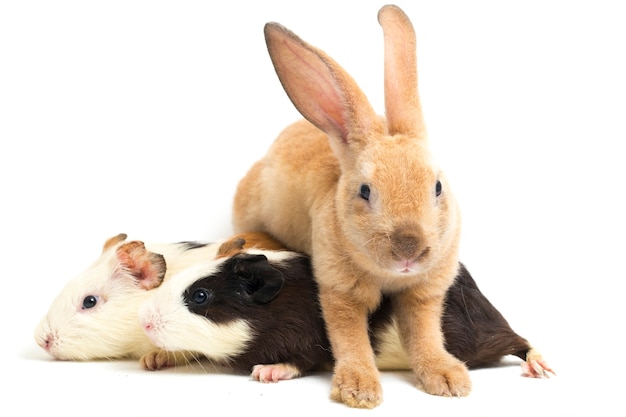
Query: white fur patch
[392,355]
[110,329]
[175,328]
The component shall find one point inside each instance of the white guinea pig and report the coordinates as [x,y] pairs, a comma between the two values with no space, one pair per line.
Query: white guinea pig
[95,314]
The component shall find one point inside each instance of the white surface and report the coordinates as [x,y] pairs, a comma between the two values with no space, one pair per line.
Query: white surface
[140,117]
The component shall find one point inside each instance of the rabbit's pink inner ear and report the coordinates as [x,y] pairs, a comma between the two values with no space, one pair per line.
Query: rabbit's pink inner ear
[306,79]
[317,86]
[402,104]
[147,268]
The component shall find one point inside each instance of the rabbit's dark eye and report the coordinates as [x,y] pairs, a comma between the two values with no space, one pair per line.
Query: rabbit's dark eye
[364,192]
[90,301]
[438,188]
[201,296]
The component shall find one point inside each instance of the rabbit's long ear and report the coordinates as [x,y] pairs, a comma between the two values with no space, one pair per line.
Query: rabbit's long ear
[402,104]
[319,88]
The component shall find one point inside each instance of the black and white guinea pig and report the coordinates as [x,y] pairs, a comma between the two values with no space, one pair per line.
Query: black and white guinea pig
[95,315]
[258,311]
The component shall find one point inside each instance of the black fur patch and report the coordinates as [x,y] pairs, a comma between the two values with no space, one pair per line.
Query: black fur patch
[190,245]
[288,327]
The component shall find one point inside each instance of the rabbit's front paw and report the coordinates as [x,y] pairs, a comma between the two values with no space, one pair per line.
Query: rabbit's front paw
[448,378]
[357,387]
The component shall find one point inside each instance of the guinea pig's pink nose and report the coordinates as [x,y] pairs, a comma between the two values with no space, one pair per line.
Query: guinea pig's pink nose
[47,342]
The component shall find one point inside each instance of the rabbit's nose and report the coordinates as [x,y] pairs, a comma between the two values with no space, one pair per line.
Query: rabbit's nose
[405,246]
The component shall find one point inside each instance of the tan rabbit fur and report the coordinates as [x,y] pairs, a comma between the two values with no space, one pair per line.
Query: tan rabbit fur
[363,196]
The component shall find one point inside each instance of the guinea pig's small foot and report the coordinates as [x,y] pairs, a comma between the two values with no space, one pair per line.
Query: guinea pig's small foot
[156,360]
[536,369]
[535,366]
[274,373]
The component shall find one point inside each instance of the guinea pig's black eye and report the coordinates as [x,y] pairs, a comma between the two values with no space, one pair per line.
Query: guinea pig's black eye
[201,296]
[364,192]
[90,302]
[438,188]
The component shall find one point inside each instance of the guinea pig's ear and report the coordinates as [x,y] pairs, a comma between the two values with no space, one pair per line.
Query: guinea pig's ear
[262,280]
[112,241]
[230,247]
[146,267]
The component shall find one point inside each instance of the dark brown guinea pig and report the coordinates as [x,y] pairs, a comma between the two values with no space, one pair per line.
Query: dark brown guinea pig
[257,310]
[477,333]
[474,330]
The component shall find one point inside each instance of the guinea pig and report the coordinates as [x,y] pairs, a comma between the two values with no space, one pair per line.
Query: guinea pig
[258,311]
[95,315]
[241,310]
[474,331]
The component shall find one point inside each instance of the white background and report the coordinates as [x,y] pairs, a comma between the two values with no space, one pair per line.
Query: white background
[141,116]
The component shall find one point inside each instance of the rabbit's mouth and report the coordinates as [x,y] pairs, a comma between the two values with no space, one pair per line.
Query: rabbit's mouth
[411,266]
[407,266]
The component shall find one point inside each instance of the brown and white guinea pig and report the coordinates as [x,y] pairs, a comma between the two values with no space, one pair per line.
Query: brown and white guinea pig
[95,315]
[258,310]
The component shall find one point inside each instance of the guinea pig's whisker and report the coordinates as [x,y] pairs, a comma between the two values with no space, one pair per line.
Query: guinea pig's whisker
[198,359]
